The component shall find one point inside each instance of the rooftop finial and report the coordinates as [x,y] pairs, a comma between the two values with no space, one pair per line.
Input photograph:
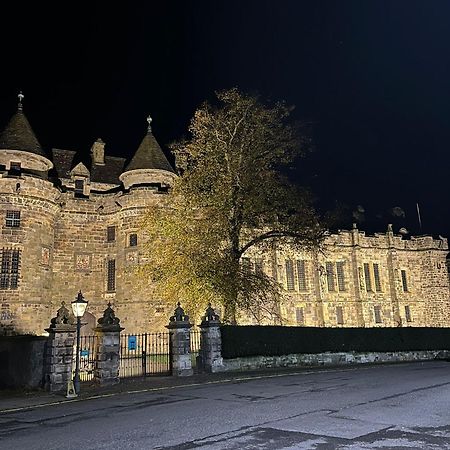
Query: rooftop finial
[21,96]
[149,120]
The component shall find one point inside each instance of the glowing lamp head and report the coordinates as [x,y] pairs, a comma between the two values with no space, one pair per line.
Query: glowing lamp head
[79,305]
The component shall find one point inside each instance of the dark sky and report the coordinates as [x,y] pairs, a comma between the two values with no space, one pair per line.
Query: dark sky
[372,76]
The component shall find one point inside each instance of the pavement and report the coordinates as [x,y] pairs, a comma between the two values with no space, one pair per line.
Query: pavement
[11,399]
[383,406]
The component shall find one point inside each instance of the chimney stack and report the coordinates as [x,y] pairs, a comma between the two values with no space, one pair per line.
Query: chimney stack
[98,152]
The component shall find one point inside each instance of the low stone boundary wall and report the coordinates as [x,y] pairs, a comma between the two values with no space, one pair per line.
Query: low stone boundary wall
[22,361]
[330,359]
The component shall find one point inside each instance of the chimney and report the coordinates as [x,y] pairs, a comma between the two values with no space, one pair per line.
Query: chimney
[98,152]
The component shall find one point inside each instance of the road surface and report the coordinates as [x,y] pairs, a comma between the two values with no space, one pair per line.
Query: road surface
[395,406]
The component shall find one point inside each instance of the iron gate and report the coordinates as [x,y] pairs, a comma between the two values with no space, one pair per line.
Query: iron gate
[88,348]
[144,354]
[195,349]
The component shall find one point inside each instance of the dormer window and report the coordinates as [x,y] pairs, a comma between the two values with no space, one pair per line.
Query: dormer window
[15,168]
[79,188]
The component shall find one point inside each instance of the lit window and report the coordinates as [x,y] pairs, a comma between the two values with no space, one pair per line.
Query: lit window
[111,234]
[330,277]
[404,281]
[133,240]
[376,275]
[340,275]
[377,314]
[245,262]
[367,277]
[339,315]
[408,314]
[299,315]
[111,278]
[13,219]
[9,269]
[290,275]
[301,275]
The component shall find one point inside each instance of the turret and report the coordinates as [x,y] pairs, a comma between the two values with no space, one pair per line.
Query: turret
[19,148]
[149,165]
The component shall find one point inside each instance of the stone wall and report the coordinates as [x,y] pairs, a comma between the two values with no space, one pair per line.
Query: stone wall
[22,361]
[64,248]
[329,359]
[423,301]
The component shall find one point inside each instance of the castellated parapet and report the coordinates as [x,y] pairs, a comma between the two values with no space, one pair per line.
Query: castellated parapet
[357,280]
[71,225]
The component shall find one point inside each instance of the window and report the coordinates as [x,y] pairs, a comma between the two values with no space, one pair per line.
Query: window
[111,279]
[111,234]
[376,276]
[408,313]
[259,265]
[330,277]
[301,275]
[377,313]
[133,240]
[339,315]
[367,277]
[404,281]
[299,315]
[9,269]
[79,188]
[290,275]
[245,262]
[13,219]
[340,275]
[14,168]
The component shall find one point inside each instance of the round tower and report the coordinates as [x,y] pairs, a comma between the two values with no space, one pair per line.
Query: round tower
[147,180]
[28,211]
[149,166]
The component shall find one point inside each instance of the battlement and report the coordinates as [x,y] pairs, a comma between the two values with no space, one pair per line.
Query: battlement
[359,238]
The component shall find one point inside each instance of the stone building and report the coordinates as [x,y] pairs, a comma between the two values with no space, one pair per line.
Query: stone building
[69,225]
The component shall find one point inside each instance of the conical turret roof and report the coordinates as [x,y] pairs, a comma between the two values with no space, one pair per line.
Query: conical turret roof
[149,155]
[18,135]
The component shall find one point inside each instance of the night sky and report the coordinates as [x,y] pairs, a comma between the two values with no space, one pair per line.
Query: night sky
[373,78]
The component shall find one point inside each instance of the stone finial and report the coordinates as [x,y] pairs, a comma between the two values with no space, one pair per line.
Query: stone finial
[109,321]
[389,228]
[210,315]
[21,97]
[179,315]
[64,317]
[149,121]
[354,226]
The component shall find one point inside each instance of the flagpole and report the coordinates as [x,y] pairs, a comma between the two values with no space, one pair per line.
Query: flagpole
[418,216]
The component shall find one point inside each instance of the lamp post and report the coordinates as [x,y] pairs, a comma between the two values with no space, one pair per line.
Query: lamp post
[78,307]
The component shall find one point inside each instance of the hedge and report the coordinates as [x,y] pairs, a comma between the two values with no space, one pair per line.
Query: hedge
[241,341]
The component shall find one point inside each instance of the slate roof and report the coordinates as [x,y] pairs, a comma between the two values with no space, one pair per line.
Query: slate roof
[66,160]
[149,156]
[18,135]
[109,173]
[63,161]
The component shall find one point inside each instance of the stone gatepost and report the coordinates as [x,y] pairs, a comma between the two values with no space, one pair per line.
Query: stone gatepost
[180,343]
[59,351]
[107,358]
[211,342]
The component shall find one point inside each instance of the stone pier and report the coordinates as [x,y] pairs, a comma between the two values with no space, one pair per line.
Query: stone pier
[59,352]
[180,341]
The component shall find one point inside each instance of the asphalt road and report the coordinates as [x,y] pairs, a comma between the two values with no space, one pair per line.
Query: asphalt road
[397,406]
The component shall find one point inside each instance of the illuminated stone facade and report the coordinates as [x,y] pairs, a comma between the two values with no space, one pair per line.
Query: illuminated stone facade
[69,224]
[363,281]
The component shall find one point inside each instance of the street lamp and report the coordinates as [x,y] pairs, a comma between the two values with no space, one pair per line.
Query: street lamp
[78,307]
